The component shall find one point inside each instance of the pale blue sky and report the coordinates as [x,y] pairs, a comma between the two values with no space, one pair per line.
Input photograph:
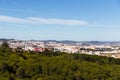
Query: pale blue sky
[60,19]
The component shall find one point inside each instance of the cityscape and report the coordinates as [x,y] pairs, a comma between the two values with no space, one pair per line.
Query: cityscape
[110,49]
[59,39]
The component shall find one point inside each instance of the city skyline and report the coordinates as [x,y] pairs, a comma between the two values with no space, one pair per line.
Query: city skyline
[78,20]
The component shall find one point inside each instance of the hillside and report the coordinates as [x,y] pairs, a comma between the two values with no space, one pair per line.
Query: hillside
[48,65]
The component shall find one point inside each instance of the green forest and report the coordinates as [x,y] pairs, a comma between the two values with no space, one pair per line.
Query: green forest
[48,65]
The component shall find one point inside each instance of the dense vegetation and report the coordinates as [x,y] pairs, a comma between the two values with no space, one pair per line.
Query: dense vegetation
[20,65]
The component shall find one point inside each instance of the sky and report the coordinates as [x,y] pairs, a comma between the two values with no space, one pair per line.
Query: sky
[78,20]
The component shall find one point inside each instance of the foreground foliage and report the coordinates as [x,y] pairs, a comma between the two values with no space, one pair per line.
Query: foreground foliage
[48,65]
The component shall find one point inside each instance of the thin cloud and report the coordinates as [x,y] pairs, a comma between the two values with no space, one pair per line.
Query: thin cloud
[42,20]
[12,19]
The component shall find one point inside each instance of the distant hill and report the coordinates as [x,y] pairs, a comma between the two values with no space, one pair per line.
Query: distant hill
[4,39]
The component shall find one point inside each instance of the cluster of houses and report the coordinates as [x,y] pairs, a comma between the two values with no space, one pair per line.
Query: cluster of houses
[41,46]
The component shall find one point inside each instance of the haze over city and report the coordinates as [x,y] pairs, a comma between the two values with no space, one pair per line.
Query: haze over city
[79,20]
